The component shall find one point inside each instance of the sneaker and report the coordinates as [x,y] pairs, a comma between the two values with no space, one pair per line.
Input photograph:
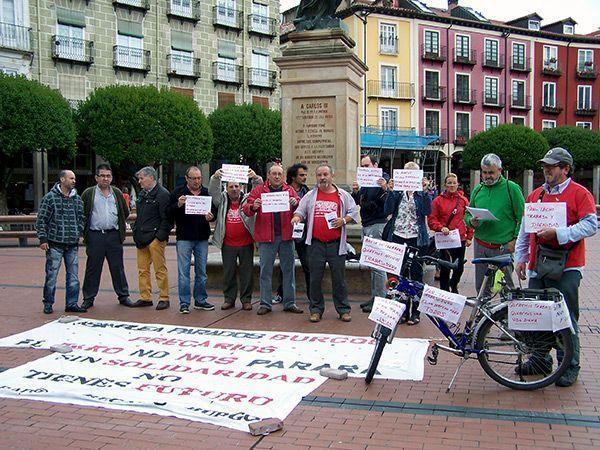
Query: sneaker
[75,308]
[367,308]
[247,306]
[204,306]
[568,378]
[276,299]
[535,366]
[184,309]
[227,305]
[315,317]
[263,310]
[87,304]
[346,317]
[47,308]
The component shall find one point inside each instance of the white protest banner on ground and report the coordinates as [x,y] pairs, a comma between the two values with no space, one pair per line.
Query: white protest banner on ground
[539,216]
[234,172]
[368,176]
[298,231]
[275,201]
[561,318]
[452,240]
[382,255]
[224,377]
[442,304]
[329,218]
[408,180]
[386,312]
[530,315]
[197,204]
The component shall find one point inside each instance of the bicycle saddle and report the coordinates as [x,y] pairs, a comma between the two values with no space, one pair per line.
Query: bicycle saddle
[499,261]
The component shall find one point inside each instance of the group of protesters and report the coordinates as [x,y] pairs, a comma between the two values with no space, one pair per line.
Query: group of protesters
[403,217]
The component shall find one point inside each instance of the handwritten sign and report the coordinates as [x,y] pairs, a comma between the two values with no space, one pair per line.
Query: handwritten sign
[539,216]
[197,204]
[452,240]
[534,315]
[408,180]
[298,231]
[330,217]
[386,312]
[368,176]
[561,318]
[275,201]
[382,255]
[234,172]
[444,305]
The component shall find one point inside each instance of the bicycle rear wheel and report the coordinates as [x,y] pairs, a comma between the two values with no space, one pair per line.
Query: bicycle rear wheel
[381,341]
[524,360]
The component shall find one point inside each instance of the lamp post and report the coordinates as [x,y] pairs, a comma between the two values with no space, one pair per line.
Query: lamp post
[362,16]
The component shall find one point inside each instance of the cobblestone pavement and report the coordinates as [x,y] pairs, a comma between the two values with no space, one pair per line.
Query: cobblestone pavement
[477,413]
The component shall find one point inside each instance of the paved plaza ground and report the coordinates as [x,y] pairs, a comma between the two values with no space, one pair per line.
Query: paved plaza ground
[477,413]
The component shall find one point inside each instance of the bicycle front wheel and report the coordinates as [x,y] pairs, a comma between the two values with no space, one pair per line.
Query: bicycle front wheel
[381,341]
[524,360]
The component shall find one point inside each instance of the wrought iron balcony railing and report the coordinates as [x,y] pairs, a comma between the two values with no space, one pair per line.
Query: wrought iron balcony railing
[520,102]
[15,37]
[262,25]
[227,18]
[185,10]
[586,109]
[433,53]
[464,96]
[468,58]
[183,66]
[262,78]
[72,49]
[433,93]
[131,58]
[492,60]
[493,101]
[390,89]
[587,71]
[227,73]
[552,68]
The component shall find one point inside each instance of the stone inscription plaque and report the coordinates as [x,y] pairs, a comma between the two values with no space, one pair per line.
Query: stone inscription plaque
[313,131]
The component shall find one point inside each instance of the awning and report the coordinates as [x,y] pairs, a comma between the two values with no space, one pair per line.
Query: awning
[376,137]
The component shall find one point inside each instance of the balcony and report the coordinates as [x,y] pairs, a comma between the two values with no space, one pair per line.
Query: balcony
[433,93]
[262,78]
[228,18]
[587,71]
[184,11]
[586,109]
[183,67]
[464,96]
[139,5]
[434,131]
[227,73]
[492,61]
[432,54]
[493,101]
[131,58]
[73,50]
[461,136]
[520,65]
[551,68]
[388,46]
[551,109]
[262,26]
[15,37]
[469,58]
[520,102]
[390,89]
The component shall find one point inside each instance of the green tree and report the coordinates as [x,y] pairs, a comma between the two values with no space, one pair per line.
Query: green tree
[143,125]
[246,133]
[518,147]
[33,118]
[583,144]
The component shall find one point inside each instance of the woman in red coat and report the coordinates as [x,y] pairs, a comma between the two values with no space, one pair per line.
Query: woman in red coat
[447,211]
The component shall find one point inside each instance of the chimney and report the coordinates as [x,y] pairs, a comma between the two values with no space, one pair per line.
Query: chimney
[452,4]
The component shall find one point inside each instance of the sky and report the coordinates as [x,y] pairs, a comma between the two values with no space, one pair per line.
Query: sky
[585,12]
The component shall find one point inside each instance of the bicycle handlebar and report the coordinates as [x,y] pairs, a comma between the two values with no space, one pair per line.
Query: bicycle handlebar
[441,262]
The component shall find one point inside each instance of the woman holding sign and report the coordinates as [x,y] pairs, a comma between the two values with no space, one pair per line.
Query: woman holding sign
[446,219]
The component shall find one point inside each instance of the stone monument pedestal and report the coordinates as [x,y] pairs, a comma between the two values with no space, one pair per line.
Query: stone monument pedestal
[321,83]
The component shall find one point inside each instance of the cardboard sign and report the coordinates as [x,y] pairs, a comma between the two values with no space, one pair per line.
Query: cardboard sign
[234,172]
[538,216]
[382,255]
[298,230]
[368,176]
[275,201]
[386,312]
[451,241]
[444,305]
[197,204]
[534,315]
[408,180]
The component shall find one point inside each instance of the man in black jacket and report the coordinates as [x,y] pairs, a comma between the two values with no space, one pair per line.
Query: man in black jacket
[151,232]
[193,231]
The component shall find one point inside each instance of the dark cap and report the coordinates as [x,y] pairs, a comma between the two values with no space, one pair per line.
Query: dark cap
[556,156]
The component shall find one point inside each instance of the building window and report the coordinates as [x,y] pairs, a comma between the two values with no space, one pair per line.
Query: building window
[130,51]
[518,93]
[463,93]
[462,127]
[587,125]
[432,43]
[262,101]
[69,42]
[389,118]
[182,62]
[432,123]
[260,18]
[226,69]
[548,124]
[388,38]
[491,121]
[533,25]
[224,99]
[550,57]
[462,47]
[584,97]
[388,81]
[432,85]
[518,120]
[518,56]
[491,52]
[549,95]
[491,90]
[568,29]
[585,60]
[226,12]
[260,69]
[182,8]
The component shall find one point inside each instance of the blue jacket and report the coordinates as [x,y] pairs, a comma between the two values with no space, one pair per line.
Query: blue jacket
[423,207]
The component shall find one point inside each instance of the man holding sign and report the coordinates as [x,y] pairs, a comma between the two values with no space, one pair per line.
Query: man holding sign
[560,247]
[190,209]
[273,232]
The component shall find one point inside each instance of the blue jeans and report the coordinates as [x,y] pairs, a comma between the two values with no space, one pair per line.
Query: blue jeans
[268,252]
[54,256]
[184,259]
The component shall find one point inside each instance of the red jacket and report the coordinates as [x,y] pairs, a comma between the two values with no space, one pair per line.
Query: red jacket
[263,227]
[442,208]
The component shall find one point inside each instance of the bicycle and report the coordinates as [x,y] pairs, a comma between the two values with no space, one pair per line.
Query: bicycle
[516,359]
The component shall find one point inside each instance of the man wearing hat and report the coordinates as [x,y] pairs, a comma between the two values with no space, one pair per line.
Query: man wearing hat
[581,223]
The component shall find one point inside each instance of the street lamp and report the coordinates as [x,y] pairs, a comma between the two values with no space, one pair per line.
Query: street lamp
[362,16]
